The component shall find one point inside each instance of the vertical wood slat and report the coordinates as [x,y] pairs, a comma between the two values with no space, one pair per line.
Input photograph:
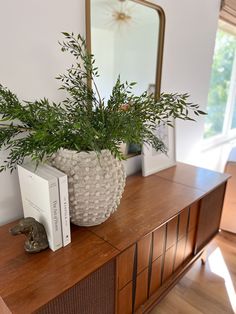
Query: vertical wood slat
[141,294]
[183,223]
[125,299]
[193,216]
[190,244]
[155,281]
[171,232]
[158,242]
[168,263]
[180,253]
[125,264]
[135,268]
[144,246]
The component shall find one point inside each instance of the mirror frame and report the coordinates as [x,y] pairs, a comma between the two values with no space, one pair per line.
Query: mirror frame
[162,18]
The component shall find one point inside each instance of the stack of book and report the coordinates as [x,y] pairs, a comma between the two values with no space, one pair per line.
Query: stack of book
[44,193]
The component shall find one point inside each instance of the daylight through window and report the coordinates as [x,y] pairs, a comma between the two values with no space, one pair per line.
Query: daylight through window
[220,122]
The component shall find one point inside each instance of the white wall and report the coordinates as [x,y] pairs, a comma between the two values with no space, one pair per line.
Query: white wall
[30,59]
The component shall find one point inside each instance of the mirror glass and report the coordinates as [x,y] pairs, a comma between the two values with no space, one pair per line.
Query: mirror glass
[126,38]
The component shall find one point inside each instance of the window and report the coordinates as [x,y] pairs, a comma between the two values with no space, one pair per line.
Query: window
[220,123]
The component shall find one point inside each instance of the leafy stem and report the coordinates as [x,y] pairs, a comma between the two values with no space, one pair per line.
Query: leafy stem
[83,122]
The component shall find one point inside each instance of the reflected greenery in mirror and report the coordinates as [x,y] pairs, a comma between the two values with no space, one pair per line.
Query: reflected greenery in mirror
[126,37]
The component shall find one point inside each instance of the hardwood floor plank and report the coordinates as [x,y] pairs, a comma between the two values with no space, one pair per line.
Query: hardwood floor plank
[209,288]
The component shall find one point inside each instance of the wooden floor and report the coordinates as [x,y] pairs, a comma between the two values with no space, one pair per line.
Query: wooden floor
[209,288]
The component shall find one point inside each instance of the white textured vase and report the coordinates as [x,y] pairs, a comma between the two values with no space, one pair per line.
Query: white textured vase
[96,183]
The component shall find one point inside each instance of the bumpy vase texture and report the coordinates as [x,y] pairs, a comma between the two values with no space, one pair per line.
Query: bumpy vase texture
[96,183]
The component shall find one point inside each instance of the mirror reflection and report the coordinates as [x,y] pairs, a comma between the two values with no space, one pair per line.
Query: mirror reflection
[126,38]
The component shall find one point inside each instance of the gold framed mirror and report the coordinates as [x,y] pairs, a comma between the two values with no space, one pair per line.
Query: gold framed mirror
[127,39]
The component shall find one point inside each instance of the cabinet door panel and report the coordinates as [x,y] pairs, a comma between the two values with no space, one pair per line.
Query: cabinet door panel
[156,275]
[171,238]
[168,263]
[143,252]
[180,251]
[183,223]
[193,215]
[190,244]
[141,288]
[209,216]
[158,242]
[125,299]
[125,264]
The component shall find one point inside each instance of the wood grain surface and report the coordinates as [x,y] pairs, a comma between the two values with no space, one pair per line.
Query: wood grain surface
[196,177]
[125,266]
[201,290]
[146,204]
[28,281]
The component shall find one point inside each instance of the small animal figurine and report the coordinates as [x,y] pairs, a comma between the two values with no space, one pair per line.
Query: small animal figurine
[35,233]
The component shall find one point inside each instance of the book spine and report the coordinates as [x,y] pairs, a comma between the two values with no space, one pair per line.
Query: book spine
[56,215]
[65,215]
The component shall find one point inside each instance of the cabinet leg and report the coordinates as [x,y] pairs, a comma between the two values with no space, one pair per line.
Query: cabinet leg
[204,257]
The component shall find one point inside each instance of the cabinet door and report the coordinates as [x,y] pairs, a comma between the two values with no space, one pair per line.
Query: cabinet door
[209,216]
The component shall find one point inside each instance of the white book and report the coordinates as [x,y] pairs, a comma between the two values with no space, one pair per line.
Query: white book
[40,199]
[64,202]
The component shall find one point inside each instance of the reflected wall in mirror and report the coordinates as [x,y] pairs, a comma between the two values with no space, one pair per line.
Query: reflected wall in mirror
[126,37]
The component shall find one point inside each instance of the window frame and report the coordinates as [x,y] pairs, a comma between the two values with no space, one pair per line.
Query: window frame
[227,133]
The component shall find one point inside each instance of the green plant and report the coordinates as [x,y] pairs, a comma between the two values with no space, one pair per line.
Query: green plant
[83,121]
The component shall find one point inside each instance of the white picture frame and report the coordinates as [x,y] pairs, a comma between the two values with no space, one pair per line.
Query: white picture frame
[153,161]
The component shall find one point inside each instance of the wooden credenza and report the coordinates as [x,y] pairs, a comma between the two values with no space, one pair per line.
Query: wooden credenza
[127,264]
